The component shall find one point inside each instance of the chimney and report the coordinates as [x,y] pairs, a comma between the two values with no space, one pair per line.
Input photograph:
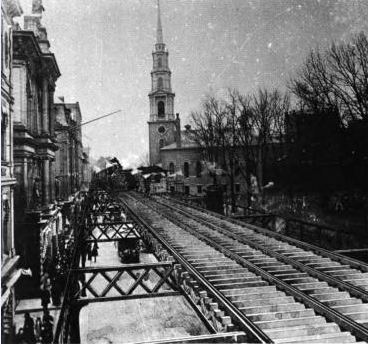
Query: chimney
[178,131]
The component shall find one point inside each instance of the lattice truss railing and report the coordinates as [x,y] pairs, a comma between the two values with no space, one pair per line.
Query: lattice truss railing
[125,282]
[102,207]
[112,231]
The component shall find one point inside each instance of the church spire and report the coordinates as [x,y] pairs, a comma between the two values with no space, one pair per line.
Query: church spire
[160,39]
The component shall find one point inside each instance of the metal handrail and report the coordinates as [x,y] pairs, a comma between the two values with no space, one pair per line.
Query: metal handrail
[333,255]
[357,291]
[67,297]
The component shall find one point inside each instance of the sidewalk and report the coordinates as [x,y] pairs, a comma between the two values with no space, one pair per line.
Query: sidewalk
[136,320]
[33,306]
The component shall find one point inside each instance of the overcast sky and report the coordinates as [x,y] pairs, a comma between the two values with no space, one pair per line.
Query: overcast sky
[103,49]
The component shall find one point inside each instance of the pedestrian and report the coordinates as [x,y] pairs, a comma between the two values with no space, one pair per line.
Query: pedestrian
[46,333]
[95,251]
[19,337]
[28,329]
[47,318]
[56,291]
[89,252]
[45,298]
[38,328]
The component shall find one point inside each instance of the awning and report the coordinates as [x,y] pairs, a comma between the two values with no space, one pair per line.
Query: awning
[4,115]
[13,279]
[4,110]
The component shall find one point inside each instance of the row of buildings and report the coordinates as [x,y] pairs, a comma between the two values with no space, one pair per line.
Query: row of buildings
[43,162]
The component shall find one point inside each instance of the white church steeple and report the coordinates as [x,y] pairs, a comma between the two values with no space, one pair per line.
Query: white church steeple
[162,119]
[159,39]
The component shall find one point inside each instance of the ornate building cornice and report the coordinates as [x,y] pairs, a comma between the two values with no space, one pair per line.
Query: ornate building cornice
[12,8]
[26,47]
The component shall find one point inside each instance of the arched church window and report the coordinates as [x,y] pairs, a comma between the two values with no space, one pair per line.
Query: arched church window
[160,83]
[159,62]
[161,143]
[171,167]
[186,169]
[161,109]
[198,169]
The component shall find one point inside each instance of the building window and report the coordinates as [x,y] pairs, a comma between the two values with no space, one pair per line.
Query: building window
[186,169]
[199,189]
[161,129]
[4,124]
[237,167]
[161,143]
[159,62]
[171,167]
[6,50]
[161,109]
[5,224]
[3,144]
[237,188]
[186,189]
[198,169]
[160,83]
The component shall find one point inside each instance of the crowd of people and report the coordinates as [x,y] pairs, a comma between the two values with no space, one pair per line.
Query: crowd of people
[33,332]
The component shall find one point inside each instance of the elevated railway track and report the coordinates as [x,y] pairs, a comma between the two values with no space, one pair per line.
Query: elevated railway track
[283,290]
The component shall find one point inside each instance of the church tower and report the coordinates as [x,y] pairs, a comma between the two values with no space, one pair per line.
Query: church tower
[162,122]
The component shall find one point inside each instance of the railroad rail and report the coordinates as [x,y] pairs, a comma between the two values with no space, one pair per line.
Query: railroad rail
[291,291]
[99,221]
[216,311]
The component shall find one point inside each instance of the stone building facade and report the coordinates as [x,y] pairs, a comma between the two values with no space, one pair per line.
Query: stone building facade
[9,259]
[35,72]
[86,169]
[9,10]
[31,156]
[69,156]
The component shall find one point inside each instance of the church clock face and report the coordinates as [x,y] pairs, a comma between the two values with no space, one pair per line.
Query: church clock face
[161,130]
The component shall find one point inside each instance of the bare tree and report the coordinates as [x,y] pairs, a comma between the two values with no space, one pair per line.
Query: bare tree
[261,129]
[238,132]
[245,140]
[348,63]
[230,141]
[215,131]
[269,108]
[337,78]
[205,123]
